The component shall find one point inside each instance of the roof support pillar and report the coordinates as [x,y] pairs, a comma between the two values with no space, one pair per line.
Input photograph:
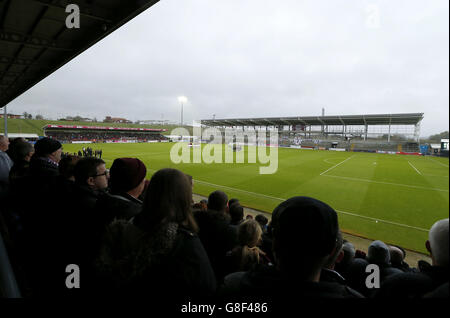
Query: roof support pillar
[417,132]
[389,133]
[5,118]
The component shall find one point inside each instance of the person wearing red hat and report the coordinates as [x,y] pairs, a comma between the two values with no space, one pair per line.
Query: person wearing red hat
[126,183]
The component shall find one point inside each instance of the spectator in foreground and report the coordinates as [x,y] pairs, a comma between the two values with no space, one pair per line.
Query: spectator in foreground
[430,280]
[217,235]
[21,155]
[398,255]
[233,201]
[356,276]
[378,253]
[84,220]
[247,253]
[160,250]
[262,220]
[91,179]
[328,272]
[266,244]
[349,254]
[67,167]
[298,265]
[47,154]
[127,182]
[236,214]
[5,165]
[11,151]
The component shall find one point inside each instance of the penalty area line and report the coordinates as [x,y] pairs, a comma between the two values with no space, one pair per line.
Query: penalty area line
[414,168]
[282,199]
[336,165]
[442,164]
[389,183]
[339,211]
[383,221]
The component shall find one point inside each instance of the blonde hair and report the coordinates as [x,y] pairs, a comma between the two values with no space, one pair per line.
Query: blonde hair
[249,233]
[249,236]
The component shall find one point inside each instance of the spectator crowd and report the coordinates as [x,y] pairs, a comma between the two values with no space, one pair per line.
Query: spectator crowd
[131,236]
[93,136]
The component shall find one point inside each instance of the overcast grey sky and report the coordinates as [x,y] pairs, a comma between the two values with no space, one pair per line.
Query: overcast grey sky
[257,58]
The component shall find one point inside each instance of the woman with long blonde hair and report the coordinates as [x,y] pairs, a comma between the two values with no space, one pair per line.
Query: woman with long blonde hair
[247,253]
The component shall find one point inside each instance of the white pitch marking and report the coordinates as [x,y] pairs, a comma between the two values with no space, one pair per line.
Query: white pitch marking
[434,175]
[442,164]
[326,160]
[239,190]
[281,199]
[336,165]
[414,168]
[390,183]
[384,221]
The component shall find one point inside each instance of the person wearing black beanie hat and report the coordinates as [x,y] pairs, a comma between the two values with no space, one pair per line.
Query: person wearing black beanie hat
[48,147]
[47,154]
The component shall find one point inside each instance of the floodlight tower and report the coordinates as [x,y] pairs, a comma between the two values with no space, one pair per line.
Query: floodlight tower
[182,100]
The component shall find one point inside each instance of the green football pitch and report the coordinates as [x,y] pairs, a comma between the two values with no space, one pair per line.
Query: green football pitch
[393,198]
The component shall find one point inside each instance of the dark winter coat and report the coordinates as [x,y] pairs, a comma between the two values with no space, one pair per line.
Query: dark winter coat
[218,237]
[169,262]
[413,285]
[122,206]
[43,167]
[264,281]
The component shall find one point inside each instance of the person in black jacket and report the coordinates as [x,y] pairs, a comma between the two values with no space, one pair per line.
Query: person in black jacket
[127,182]
[328,272]
[91,179]
[47,154]
[157,253]
[430,278]
[21,154]
[378,253]
[297,272]
[217,235]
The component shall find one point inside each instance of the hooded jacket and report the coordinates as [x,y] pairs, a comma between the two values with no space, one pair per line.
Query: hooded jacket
[170,261]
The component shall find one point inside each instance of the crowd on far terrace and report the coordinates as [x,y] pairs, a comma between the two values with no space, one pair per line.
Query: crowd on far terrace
[66,137]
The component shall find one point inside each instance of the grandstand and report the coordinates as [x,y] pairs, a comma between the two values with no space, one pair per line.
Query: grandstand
[378,132]
[87,134]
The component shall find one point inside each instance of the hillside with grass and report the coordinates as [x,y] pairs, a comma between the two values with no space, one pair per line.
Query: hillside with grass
[34,126]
